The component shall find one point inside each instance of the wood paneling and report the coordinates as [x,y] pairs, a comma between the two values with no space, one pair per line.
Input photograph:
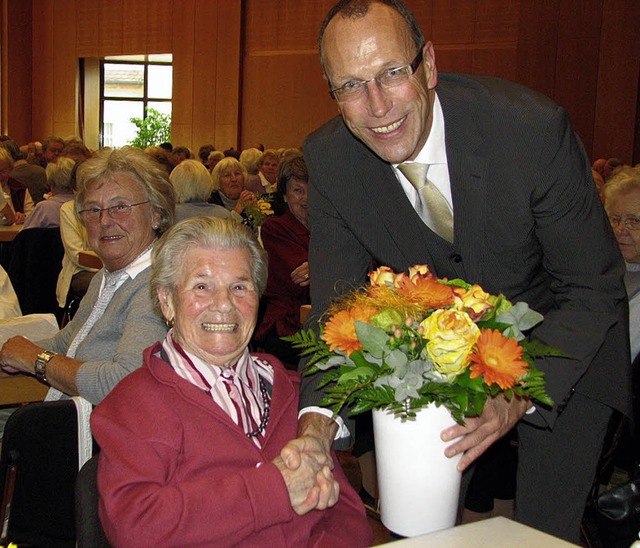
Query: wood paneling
[617,86]
[16,83]
[249,71]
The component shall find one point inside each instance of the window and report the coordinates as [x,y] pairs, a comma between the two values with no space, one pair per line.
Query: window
[128,85]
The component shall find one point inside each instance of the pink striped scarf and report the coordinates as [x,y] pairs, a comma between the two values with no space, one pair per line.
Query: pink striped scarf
[235,389]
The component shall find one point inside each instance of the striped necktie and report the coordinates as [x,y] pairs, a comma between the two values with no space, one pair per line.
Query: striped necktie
[433,208]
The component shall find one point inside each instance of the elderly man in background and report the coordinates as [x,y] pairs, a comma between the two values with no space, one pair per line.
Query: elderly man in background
[503,197]
[52,148]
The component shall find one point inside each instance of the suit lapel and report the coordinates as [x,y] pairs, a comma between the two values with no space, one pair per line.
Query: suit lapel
[467,161]
[393,211]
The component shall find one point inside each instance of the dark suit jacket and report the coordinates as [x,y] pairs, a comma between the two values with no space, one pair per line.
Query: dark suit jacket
[528,223]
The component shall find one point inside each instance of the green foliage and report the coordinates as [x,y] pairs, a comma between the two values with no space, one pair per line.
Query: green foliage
[153,130]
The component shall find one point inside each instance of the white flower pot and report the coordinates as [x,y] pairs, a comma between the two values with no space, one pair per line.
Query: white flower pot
[418,486]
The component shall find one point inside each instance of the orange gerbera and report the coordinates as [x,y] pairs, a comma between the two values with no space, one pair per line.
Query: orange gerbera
[340,330]
[498,359]
[425,291]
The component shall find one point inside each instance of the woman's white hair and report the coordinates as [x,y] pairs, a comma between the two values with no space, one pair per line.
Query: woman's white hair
[209,233]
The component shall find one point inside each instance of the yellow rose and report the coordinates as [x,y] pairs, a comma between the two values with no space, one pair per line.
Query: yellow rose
[451,335]
[475,301]
[419,271]
[382,276]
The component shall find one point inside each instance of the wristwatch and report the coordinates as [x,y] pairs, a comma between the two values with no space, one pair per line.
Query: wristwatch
[40,367]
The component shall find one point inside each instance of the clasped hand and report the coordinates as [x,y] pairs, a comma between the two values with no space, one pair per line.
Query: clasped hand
[306,469]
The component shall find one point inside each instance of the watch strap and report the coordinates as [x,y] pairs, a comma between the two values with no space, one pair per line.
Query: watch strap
[40,366]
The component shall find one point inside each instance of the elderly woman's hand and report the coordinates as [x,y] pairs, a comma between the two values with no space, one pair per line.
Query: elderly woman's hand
[18,355]
[19,218]
[246,198]
[300,275]
[311,486]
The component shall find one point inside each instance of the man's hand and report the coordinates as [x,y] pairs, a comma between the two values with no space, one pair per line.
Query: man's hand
[315,436]
[499,416]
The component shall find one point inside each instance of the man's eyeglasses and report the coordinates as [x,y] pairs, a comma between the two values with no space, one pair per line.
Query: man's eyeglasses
[117,212]
[354,89]
[630,223]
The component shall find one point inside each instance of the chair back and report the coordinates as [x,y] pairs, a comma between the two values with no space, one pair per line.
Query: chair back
[36,261]
[89,531]
[39,459]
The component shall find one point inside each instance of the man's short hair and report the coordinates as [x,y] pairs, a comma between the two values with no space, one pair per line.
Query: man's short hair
[354,9]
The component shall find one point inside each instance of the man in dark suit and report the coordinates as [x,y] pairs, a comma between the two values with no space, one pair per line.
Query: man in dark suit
[527,222]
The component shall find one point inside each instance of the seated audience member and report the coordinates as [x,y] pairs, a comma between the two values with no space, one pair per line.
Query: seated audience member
[16,192]
[47,212]
[259,146]
[622,203]
[9,305]
[203,154]
[7,214]
[52,148]
[160,155]
[201,464]
[232,152]
[179,154]
[249,158]
[34,153]
[76,150]
[228,183]
[192,184]
[31,176]
[74,278]
[268,170]
[125,202]
[288,152]
[166,146]
[214,157]
[286,240]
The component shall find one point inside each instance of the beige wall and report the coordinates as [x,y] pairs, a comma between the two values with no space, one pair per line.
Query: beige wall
[247,71]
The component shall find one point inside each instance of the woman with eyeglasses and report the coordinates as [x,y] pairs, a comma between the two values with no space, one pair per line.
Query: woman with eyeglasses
[622,203]
[125,202]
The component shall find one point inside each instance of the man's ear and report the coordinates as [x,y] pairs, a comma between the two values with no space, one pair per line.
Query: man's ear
[429,62]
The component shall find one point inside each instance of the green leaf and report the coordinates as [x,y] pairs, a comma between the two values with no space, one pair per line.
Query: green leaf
[373,339]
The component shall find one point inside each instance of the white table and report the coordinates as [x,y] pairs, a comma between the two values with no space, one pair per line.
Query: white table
[491,533]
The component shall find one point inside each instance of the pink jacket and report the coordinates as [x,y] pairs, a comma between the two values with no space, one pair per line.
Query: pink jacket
[174,470]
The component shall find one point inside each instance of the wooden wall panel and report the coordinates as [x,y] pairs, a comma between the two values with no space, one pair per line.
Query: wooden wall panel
[578,44]
[208,26]
[111,30]
[16,82]
[183,71]
[88,21]
[583,53]
[537,45]
[228,66]
[66,69]
[293,100]
[496,60]
[43,68]
[453,22]
[616,125]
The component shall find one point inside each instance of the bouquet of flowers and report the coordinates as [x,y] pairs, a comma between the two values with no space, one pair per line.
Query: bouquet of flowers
[259,210]
[408,340]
